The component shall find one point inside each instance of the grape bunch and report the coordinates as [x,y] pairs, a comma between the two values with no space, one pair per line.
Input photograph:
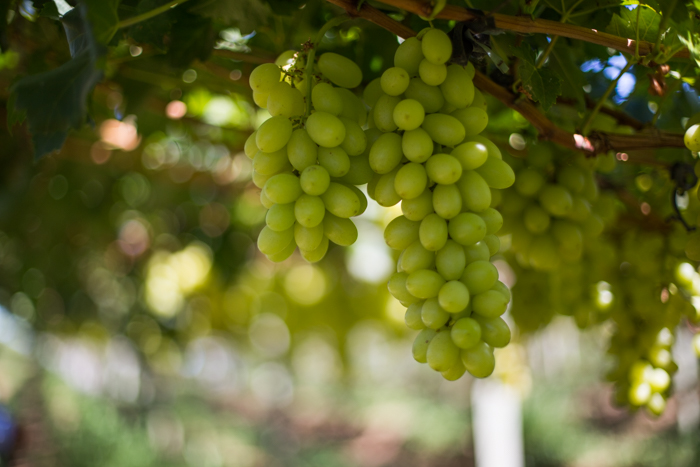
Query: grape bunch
[306,157]
[426,152]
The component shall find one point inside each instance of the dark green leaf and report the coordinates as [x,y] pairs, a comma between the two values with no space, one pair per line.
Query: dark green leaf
[625,24]
[573,80]
[244,14]
[285,7]
[154,30]
[49,10]
[542,85]
[193,38]
[103,16]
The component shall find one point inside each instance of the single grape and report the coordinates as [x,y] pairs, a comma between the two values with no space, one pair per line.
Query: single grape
[451,260]
[556,200]
[301,150]
[473,119]
[692,138]
[417,145]
[411,180]
[447,201]
[455,372]
[471,155]
[401,233]
[355,141]
[308,238]
[490,304]
[479,276]
[529,182]
[284,254]
[271,242]
[457,88]
[430,97]
[477,252]
[334,160]
[250,148]
[433,316]
[372,92]
[443,169]
[479,360]
[431,74]
[325,98]
[476,194]
[417,208]
[324,129]
[283,188]
[453,296]
[413,316]
[493,220]
[467,228]
[465,333]
[424,283]
[536,219]
[314,180]
[271,163]
[341,200]
[383,112]
[309,210]
[444,129]
[280,217]
[442,352]
[286,101]
[496,173]
[340,70]
[408,114]
[416,257]
[273,134]
[263,77]
[338,230]
[394,81]
[420,345]
[433,232]
[385,192]
[316,254]
[436,46]
[385,154]
[408,56]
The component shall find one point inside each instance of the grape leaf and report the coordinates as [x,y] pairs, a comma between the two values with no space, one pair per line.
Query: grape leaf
[103,16]
[192,38]
[245,14]
[152,31]
[565,66]
[625,24]
[55,101]
[541,84]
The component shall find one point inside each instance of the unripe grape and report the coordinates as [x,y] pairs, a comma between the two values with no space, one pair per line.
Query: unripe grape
[360,171]
[556,200]
[264,200]
[383,112]
[431,74]
[417,145]
[442,352]
[340,231]
[353,108]
[385,192]
[411,180]
[250,148]
[309,210]
[529,182]
[314,180]
[479,360]
[316,254]
[572,178]
[467,228]
[400,233]
[280,217]
[271,242]
[334,160]
[409,114]
[360,195]
[444,129]
[450,260]
[433,232]
[394,81]
[476,195]
[492,148]
[420,345]
[453,296]
[543,254]
[355,141]
[283,188]
[397,286]
[372,92]
[432,314]
[692,138]
[443,169]
[263,77]
[455,372]
[385,154]
[479,277]
[493,220]
[479,101]
[457,88]
[416,257]
[325,129]
[413,316]
[308,238]
[341,200]
[284,254]
[430,97]
[424,283]
[477,252]
[325,98]
[473,119]
[447,201]
[271,163]
[340,70]
[471,155]
[493,243]
[284,100]
[260,99]
[436,46]
[496,173]
[536,219]
[273,134]
[465,333]
[417,208]
[409,55]
[301,150]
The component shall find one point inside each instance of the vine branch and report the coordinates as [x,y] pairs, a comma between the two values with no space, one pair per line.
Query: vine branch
[593,144]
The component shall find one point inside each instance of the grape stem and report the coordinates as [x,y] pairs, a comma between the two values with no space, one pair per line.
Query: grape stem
[593,144]
[308,70]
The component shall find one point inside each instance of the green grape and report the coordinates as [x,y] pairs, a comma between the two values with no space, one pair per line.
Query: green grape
[659,380]
[360,195]
[494,331]
[338,230]
[280,217]
[301,150]
[285,58]
[317,254]
[286,101]
[372,92]
[447,201]
[529,182]
[353,108]
[385,194]
[417,208]
[271,242]
[436,46]
[444,129]
[325,129]
[493,220]
[639,393]
[572,178]
[383,112]
[556,200]
[360,171]
[479,360]
[567,234]
[430,97]
[309,210]
[473,119]
[455,372]
[424,283]
[284,254]
[432,315]
[467,228]
[443,169]
[420,345]
[409,114]
[450,260]
[260,99]
[394,81]
[416,257]
[580,210]
[442,352]
[479,276]
[476,195]
[479,101]
[536,219]
[314,180]
[283,188]
[408,56]
[397,286]
[334,160]
[493,243]
[431,74]
[496,173]
[341,201]
[417,145]
[447,108]
[325,98]
[477,252]
[264,200]
[411,180]
[339,70]
[433,232]
[543,253]
[308,238]
[271,163]
[413,316]
[385,154]
[263,77]
[250,148]
[401,233]
[355,141]
[465,333]
[656,404]
[593,226]
[502,289]
[692,247]
[691,137]
[471,155]
[273,134]
[457,88]
[492,148]
[453,296]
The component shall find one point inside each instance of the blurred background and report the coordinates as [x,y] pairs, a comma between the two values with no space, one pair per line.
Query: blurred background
[140,326]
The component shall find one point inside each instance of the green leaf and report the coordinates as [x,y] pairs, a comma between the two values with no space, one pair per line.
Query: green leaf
[542,85]
[573,80]
[192,38]
[625,24]
[245,14]
[152,31]
[49,10]
[103,16]
[55,101]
